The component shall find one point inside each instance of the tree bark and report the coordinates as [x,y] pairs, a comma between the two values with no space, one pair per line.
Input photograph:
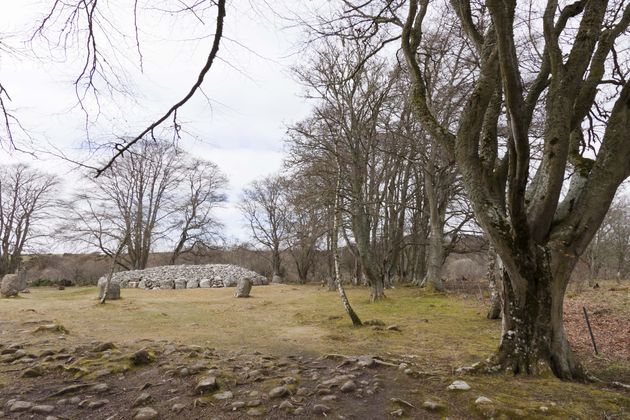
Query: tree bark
[494,312]
[532,326]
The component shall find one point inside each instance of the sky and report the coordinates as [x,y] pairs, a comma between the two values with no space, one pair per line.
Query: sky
[238,122]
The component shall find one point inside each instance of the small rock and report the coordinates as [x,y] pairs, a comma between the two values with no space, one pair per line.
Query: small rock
[177,408]
[142,399]
[298,411]
[141,357]
[403,366]
[52,418]
[329,398]
[320,409]
[43,409]
[103,346]
[393,328]
[225,395]
[433,405]
[99,388]
[33,372]
[458,386]
[238,404]
[19,406]
[207,385]
[302,392]
[279,392]
[146,413]
[289,380]
[408,371]
[254,403]
[97,404]
[483,400]
[285,405]
[254,412]
[74,400]
[397,413]
[349,386]
[366,362]
[543,409]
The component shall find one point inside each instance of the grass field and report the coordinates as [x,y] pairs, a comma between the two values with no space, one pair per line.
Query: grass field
[438,332]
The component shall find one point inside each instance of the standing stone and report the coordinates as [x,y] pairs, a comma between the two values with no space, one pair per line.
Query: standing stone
[243,288]
[113,292]
[276,279]
[10,286]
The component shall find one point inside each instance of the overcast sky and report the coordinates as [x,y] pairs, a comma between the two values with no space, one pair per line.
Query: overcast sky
[252,95]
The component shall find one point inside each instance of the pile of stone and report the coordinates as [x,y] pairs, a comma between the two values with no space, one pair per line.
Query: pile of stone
[186,277]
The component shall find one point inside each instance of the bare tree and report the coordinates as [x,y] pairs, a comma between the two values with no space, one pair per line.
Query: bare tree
[200,192]
[572,76]
[26,198]
[96,35]
[149,199]
[263,204]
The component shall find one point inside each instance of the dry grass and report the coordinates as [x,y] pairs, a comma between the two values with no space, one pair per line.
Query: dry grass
[439,332]
[282,319]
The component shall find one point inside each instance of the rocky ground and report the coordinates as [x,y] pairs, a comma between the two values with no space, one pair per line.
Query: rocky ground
[166,380]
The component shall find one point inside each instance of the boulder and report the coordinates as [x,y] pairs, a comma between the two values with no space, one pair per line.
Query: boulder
[243,288]
[10,286]
[113,291]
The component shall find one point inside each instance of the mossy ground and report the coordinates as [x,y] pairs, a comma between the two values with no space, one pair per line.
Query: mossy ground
[438,332]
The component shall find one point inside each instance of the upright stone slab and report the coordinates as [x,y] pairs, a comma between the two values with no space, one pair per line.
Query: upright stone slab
[113,292]
[243,287]
[10,286]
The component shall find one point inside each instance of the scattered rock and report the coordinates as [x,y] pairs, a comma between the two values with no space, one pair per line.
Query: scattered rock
[289,380]
[52,328]
[349,386]
[393,328]
[279,392]
[285,405]
[43,409]
[225,395]
[433,405]
[302,392]
[254,403]
[298,411]
[243,288]
[99,388]
[366,361]
[97,404]
[483,400]
[32,372]
[254,412]
[146,413]
[543,409]
[70,389]
[142,399]
[320,409]
[329,398]
[397,413]
[238,405]
[141,357]
[177,408]
[19,406]
[207,385]
[103,346]
[458,386]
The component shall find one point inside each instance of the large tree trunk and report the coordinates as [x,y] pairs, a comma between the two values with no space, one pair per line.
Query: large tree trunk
[433,278]
[532,326]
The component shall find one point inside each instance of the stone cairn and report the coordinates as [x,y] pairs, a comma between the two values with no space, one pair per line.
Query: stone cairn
[186,277]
